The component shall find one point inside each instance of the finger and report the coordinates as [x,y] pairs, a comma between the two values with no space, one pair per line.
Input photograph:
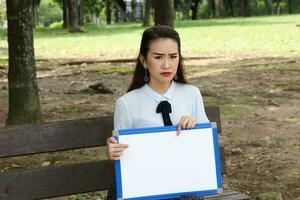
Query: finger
[124,146]
[191,123]
[116,154]
[178,130]
[183,122]
[114,157]
[112,140]
[116,150]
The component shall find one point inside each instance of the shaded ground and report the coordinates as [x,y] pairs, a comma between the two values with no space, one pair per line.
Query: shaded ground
[260,107]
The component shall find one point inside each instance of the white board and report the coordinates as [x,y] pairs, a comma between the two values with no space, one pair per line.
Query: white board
[158,164]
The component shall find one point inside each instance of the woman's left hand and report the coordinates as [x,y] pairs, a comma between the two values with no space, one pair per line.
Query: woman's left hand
[185,122]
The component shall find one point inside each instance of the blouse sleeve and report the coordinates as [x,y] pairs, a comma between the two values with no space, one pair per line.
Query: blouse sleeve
[122,119]
[200,114]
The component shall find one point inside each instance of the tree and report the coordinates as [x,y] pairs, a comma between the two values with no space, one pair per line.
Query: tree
[212,7]
[220,8]
[108,11]
[269,7]
[194,8]
[229,4]
[73,16]
[290,11]
[185,8]
[81,12]
[146,21]
[65,8]
[24,104]
[278,7]
[35,15]
[245,8]
[94,8]
[164,12]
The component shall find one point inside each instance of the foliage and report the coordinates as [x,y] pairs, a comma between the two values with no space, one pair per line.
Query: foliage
[2,12]
[203,11]
[48,12]
[94,7]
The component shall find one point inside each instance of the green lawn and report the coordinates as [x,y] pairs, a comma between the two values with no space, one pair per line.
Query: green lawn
[260,35]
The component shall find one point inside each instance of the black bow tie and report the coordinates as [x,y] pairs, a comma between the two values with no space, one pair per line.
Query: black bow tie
[164,107]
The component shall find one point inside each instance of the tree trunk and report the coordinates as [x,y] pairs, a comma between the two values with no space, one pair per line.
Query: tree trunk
[164,12]
[133,8]
[245,8]
[278,7]
[65,14]
[24,104]
[108,11]
[220,8]
[290,10]
[230,4]
[73,16]
[212,8]
[146,22]
[81,12]
[194,8]
[116,14]
[33,13]
[185,9]
[269,7]
[121,10]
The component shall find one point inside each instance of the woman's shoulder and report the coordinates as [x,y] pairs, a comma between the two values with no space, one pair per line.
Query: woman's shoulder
[130,96]
[188,88]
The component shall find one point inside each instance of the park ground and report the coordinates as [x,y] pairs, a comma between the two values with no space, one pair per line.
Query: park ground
[258,91]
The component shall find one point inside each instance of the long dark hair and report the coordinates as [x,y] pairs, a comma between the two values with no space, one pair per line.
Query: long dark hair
[149,35]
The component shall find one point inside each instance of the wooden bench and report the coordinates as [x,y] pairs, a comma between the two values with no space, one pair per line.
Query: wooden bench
[54,181]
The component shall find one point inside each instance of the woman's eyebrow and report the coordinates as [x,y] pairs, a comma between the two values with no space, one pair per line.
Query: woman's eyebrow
[160,54]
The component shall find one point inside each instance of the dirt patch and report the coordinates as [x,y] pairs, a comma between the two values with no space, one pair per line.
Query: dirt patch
[260,107]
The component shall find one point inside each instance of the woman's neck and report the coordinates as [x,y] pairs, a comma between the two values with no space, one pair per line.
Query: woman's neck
[159,87]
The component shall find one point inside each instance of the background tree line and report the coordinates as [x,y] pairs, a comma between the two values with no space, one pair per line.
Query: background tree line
[22,16]
[74,13]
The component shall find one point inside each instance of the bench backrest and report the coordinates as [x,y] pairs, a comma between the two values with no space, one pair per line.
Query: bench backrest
[60,136]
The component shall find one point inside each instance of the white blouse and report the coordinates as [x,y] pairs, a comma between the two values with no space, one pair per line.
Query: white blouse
[137,108]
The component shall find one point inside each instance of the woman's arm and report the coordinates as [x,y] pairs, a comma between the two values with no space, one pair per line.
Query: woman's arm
[122,120]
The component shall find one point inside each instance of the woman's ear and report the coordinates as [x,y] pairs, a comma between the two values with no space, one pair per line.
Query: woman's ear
[142,58]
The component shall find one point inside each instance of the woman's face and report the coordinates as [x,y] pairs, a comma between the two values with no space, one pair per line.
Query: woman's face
[162,60]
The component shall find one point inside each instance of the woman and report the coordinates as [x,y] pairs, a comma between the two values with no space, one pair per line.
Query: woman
[158,94]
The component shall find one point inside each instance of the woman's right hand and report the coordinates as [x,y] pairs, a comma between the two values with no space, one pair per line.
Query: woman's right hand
[114,149]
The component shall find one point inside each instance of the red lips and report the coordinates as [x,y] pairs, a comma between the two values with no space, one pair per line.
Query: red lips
[166,74]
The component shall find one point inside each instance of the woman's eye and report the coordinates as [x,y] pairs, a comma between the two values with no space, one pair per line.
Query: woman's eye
[173,57]
[157,57]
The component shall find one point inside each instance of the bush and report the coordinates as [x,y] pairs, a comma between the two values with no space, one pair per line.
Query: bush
[56,24]
[204,12]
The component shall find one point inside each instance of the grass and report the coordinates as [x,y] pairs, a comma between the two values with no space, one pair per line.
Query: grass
[262,35]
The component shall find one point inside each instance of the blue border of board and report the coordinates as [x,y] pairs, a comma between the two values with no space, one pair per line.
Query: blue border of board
[154,130]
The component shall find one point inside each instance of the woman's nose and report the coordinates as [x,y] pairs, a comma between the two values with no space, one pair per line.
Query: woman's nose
[166,64]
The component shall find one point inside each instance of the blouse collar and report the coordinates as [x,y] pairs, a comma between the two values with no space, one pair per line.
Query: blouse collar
[158,97]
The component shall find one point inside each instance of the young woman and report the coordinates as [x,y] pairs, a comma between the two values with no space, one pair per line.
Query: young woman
[158,94]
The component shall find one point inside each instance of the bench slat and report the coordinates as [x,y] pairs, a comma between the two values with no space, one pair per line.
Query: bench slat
[65,135]
[49,137]
[69,179]
[56,181]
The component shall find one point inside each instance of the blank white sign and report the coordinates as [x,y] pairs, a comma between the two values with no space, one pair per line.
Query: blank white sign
[162,163]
